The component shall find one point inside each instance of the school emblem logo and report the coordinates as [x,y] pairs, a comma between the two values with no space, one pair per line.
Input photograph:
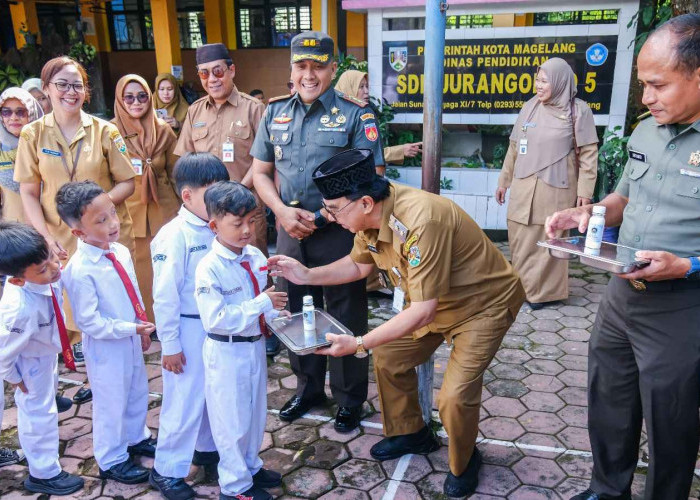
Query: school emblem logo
[398,57]
[414,256]
[371,131]
[597,54]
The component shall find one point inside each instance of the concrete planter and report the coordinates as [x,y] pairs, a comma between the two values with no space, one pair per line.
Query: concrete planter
[473,190]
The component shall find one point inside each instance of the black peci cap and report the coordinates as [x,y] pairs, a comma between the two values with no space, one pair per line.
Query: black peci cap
[212,52]
[313,46]
[345,173]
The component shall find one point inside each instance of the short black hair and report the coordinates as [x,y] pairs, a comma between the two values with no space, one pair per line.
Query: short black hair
[229,197]
[255,92]
[196,170]
[20,247]
[377,190]
[686,32]
[72,199]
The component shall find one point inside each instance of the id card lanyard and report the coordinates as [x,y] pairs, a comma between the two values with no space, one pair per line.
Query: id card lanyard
[227,147]
[76,158]
[522,145]
[399,295]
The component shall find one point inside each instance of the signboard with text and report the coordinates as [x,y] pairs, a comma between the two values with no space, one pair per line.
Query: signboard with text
[498,76]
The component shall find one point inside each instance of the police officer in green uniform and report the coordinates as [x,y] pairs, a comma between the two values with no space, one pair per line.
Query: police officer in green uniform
[644,351]
[298,133]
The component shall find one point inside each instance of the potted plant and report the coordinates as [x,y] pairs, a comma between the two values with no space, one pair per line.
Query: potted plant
[612,158]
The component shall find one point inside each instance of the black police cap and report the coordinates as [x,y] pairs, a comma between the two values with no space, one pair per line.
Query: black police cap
[345,173]
[313,46]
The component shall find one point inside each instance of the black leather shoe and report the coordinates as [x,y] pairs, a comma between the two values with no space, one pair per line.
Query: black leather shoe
[296,407]
[421,442]
[536,306]
[83,396]
[347,419]
[172,488]
[61,484]
[63,404]
[592,495]
[126,472]
[272,346]
[145,448]
[466,483]
[267,479]
[253,493]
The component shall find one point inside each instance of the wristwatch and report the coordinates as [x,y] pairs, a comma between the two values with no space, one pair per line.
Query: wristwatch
[361,352]
[320,220]
[694,272]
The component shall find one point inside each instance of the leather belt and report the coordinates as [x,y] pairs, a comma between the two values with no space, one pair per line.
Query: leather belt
[233,338]
[664,286]
[190,316]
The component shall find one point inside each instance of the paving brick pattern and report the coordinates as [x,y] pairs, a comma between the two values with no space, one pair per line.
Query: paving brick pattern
[533,435]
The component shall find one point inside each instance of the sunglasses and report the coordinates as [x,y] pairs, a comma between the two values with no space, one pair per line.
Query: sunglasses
[217,71]
[141,97]
[64,86]
[18,112]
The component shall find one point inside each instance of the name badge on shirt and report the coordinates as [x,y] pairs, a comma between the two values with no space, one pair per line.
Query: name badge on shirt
[522,148]
[636,155]
[137,164]
[199,124]
[51,152]
[227,151]
[399,299]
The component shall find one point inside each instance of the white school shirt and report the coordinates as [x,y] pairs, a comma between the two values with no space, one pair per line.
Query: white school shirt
[28,325]
[176,250]
[225,295]
[101,306]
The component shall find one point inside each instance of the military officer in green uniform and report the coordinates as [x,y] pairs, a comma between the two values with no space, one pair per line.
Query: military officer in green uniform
[644,351]
[297,133]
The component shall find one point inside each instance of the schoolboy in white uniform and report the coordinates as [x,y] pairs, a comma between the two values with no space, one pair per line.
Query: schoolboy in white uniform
[107,307]
[31,324]
[176,250]
[228,282]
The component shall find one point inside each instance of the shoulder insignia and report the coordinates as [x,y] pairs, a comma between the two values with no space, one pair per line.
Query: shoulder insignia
[396,226]
[24,134]
[409,242]
[367,116]
[280,98]
[352,99]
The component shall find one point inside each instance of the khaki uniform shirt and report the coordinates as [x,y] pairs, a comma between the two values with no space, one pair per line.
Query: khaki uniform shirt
[444,255]
[10,201]
[206,128]
[148,219]
[298,139]
[662,181]
[394,155]
[103,158]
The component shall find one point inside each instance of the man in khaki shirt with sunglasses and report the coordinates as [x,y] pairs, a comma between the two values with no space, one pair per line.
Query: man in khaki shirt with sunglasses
[224,123]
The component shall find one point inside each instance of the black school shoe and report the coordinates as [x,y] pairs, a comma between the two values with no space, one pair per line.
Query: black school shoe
[126,472]
[466,483]
[171,488]
[418,443]
[253,493]
[347,419]
[267,479]
[63,404]
[8,456]
[297,407]
[145,448]
[84,395]
[61,484]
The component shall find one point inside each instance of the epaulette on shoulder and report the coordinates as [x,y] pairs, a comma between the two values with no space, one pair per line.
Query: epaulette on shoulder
[352,99]
[200,101]
[280,98]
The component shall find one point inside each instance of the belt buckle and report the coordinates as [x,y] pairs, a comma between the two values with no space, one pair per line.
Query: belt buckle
[638,285]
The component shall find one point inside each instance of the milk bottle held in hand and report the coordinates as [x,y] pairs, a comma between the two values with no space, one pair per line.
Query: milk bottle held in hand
[309,318]
[596,225]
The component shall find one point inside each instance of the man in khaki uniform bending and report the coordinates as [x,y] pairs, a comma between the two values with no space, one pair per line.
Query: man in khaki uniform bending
[224,123]
[455,285]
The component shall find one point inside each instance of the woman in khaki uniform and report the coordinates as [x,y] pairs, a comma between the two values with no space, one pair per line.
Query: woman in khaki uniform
[70,145]
[169,98]
[551,165]
[150,142]
[17,108]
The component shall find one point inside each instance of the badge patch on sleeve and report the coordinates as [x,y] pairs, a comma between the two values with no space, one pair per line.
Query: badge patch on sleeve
[414,256]
[371,131]
[119,142]
[367,116]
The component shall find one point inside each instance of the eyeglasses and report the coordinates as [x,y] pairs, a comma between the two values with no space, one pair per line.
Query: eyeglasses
[142,97]
[334,213]
[18,112]
[217,71]
[64,86]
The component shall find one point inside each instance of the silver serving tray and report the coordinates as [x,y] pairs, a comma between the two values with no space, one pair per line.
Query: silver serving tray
[291,332]
[618,259]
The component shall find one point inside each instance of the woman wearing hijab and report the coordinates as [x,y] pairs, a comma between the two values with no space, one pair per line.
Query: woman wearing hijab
[150,142]
[169,98]
[35,87]
[356,84]
[17,108]
[551,165]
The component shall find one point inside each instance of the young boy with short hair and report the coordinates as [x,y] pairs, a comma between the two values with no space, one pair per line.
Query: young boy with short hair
[228,285]
[107,307]
[32,330]
[176,250]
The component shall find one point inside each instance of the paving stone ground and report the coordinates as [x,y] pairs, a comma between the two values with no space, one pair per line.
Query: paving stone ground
[533,435]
